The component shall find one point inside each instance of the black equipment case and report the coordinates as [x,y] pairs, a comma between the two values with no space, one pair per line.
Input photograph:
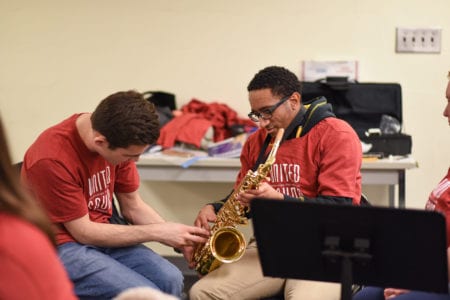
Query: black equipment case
[362,105]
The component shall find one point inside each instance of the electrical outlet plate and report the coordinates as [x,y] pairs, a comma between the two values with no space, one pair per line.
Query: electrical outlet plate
[418,40]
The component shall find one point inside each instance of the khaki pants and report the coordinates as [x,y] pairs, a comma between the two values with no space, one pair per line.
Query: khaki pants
[243,280]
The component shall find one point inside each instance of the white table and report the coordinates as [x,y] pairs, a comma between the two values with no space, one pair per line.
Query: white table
[158,167]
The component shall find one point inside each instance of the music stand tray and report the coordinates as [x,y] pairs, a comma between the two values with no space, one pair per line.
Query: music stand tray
[377,246]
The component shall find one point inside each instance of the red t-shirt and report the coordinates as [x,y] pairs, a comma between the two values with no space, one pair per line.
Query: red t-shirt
[439,200]
[30,267]
[70,180]
[325,161]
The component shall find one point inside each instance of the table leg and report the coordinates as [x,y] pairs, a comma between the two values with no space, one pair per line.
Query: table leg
[401,188]
[392,195]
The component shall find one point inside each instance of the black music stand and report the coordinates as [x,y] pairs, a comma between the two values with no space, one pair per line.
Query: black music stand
[375,246]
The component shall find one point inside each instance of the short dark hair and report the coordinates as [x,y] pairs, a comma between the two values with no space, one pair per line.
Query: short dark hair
[281,81]
[125,119]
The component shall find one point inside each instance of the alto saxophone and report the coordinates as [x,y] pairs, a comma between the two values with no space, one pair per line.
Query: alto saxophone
[226,243]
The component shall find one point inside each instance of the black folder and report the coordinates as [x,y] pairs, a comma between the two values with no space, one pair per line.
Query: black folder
[375,246]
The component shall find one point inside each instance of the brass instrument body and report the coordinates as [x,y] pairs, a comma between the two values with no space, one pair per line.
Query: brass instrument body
[226,243]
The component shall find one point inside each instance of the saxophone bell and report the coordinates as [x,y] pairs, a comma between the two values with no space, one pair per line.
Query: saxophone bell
[227,244]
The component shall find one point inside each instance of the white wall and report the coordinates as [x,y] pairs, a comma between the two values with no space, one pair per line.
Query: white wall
[61,57]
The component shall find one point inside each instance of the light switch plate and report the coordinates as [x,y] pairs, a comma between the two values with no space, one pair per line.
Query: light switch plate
[418,40]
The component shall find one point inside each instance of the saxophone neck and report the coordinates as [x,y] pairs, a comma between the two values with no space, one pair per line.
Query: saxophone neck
[276,144]
[279,135]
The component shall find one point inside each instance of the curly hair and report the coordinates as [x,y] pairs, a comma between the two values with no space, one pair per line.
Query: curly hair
[281,81]
[125,119]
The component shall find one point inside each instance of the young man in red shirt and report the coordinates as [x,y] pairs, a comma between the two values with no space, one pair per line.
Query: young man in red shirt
[318,160]
[74,168]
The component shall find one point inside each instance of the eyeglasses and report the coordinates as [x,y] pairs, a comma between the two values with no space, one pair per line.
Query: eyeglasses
[266,113]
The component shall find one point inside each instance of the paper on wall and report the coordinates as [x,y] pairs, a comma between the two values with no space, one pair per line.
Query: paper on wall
[313,70]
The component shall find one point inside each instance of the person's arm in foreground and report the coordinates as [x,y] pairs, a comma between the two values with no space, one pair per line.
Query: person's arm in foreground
[149,227]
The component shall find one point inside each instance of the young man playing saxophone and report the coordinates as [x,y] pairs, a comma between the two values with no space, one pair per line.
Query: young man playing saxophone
[318,160]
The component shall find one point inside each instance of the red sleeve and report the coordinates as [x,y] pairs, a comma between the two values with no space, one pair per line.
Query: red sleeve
[59,191]
[23,276]
[441,196]
[249,154]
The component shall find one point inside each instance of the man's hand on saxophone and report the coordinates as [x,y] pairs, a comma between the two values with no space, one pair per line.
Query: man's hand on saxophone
[265,190]
[188,253]
[205,216]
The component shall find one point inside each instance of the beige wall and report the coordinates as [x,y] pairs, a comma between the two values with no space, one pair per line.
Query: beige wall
[60,57]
